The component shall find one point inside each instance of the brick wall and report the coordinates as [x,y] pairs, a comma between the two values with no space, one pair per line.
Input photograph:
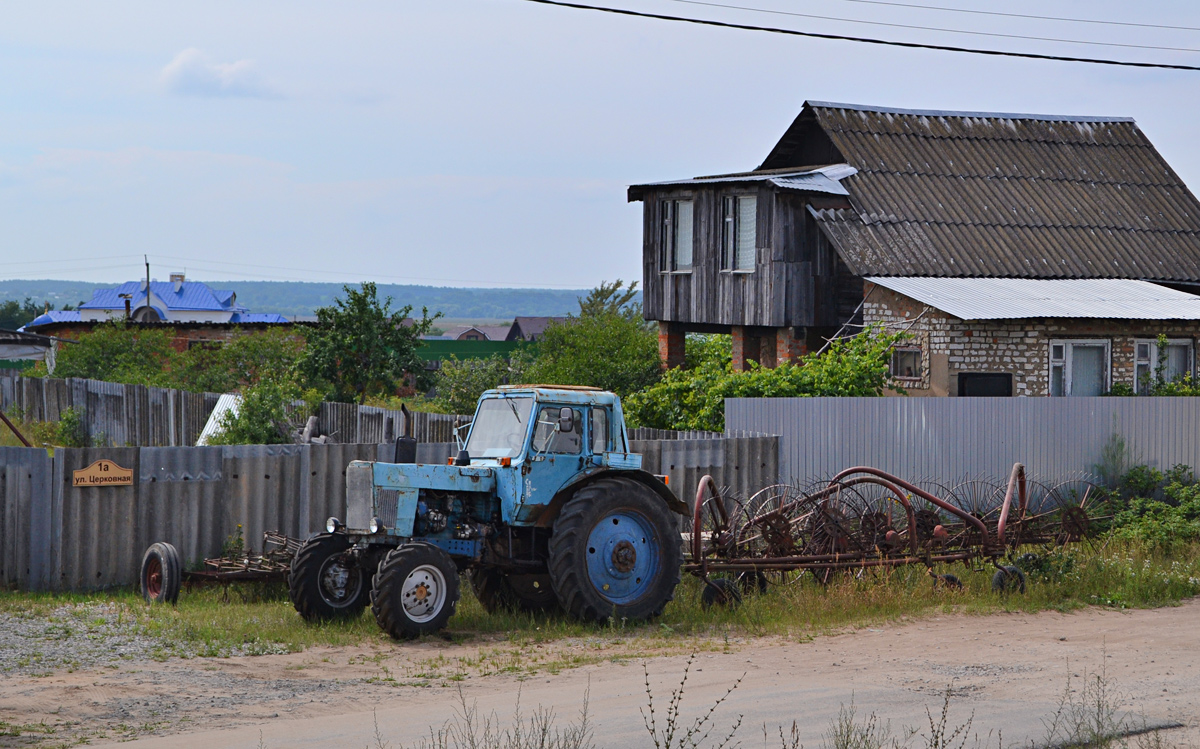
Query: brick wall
[1017,347]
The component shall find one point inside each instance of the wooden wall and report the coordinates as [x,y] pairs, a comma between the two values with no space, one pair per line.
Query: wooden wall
[785,289]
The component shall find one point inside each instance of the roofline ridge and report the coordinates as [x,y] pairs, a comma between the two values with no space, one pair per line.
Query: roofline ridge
[953,113]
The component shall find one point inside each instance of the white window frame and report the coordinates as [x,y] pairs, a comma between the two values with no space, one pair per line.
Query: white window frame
[669,236]
[920,372]
[730,226]
[1067,362]
[1152,359]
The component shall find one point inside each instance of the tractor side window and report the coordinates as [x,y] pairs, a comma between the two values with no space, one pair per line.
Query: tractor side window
[548,438]
[599,430]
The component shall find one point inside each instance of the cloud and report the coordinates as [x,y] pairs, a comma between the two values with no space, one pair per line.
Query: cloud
[191,74]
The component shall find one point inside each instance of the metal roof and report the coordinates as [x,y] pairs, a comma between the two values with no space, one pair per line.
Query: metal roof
[825,179]
[998,195]
[1022,298]
[191,295]
[953,113]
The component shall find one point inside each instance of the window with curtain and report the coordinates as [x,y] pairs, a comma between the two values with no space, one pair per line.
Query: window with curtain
[1177,360]
[1079,367]
[676,239]
[740,233]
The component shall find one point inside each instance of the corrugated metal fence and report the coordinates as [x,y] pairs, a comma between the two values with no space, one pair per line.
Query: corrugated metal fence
[954,439]
[57,536]
[132,415]
[117,414]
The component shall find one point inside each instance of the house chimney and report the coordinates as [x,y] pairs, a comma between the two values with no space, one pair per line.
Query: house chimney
[177,279]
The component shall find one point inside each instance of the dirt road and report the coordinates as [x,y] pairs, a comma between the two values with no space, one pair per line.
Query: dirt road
[1009,670]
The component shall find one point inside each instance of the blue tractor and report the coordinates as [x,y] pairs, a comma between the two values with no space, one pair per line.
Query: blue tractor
[543,507]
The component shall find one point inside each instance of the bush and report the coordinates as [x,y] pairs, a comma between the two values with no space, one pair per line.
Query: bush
[261,417]
[607,345]
[693,397]
[460,382]
[1163,524]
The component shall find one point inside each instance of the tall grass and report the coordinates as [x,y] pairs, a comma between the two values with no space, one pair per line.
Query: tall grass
[795,606]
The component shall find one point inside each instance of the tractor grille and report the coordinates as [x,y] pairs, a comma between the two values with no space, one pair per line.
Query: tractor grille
[359,480]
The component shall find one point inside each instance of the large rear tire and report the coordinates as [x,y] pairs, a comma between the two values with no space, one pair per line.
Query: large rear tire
[161,574]
[326,581]
[615,552]
[415,591]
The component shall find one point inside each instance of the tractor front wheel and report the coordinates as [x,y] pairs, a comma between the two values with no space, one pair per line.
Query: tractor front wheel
[615,552]
[415,591]
[326,580]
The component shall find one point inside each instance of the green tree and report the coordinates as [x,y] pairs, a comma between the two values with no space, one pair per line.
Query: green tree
[261,417]
[607,345]
[694,397]
[116,352]
[245,359]
[361,347]
[14,314]
[460,382]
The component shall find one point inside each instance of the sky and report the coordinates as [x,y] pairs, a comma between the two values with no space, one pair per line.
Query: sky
[477,143]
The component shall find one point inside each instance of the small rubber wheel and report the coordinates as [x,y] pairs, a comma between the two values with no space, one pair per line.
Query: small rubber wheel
[1008,580]
[499,591]
[161,574]
[415,591]
[721,591]
[325,581]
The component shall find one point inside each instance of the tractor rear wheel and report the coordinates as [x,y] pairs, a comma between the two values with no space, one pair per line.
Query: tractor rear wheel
[415,591]
[326,581]
[161,574]
[615,552]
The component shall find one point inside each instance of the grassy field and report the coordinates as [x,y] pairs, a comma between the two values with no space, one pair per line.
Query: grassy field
[262,621]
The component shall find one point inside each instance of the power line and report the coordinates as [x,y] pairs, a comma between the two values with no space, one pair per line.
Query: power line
[1030,17]
[934,28]
[864,40]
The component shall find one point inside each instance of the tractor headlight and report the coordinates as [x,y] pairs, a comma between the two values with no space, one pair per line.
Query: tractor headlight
[332,525]
[376,525]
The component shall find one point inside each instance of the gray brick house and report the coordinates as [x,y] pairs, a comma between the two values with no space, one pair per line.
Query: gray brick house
[1026,254]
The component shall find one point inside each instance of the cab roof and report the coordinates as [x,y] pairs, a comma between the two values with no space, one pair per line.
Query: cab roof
[561,393]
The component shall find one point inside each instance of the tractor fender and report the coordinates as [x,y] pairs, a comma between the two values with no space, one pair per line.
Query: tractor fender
[546,519]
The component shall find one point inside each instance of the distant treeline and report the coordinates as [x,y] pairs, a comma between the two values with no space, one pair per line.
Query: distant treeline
[292,298]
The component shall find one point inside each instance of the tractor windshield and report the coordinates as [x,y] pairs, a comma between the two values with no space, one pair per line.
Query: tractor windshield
[499,428]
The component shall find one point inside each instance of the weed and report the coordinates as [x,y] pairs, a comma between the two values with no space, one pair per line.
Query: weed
[674,734]
[468,730]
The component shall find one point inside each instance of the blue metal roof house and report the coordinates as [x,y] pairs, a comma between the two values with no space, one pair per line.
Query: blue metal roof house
[175,301]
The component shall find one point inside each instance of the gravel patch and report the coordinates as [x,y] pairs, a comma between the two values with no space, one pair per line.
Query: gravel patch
[71,637]
[87,635]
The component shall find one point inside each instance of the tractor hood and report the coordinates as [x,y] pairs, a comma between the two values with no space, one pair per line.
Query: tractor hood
[390,491]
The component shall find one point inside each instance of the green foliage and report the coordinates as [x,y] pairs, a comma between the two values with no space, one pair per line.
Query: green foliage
[72,429]
[361,347]
[243,360]
[261,417]
[607,345]
[1161,511]
[694,397]
[117,352]
[460,382]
